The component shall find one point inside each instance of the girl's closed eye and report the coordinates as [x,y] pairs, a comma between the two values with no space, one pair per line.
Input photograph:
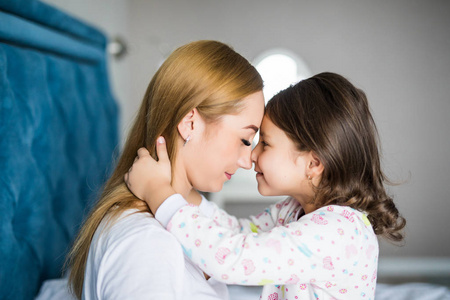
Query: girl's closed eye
[264,143]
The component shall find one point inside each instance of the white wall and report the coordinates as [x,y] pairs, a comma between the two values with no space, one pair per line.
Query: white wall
[397,51]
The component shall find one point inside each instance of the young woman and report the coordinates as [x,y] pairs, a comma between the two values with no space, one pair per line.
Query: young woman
[318,145]
[207,101]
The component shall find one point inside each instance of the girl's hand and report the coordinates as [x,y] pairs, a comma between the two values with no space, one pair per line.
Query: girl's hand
[150,180]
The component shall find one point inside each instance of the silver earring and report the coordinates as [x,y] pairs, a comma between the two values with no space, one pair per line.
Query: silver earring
[187,140]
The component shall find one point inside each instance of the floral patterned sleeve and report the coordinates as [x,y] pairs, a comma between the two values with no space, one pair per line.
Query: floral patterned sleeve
[272,216]
[319,246]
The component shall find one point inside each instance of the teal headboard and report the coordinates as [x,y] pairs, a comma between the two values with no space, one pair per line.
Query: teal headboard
[58,138]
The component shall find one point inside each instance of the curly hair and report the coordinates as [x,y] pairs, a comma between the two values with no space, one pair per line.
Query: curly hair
[329,116]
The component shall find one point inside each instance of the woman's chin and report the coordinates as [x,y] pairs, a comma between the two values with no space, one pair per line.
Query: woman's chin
[212,188]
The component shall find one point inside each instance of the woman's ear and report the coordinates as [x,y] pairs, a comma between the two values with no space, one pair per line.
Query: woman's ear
[189,122]
[315,166]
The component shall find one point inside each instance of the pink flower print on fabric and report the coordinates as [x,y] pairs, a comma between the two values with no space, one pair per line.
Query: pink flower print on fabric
[350,250]
[276,244]
[273,296]
[374,276]
[319,220]
[249,266]
[327,263]
[222,254]
[348,215]
[293,280]
[260,215]
[369,251]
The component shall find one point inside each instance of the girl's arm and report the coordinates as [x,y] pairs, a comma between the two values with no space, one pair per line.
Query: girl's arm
[271,216]
[309,249]
[151,181]
[320,246]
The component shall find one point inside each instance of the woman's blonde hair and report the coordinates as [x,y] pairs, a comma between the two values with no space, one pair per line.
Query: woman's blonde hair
[207,75]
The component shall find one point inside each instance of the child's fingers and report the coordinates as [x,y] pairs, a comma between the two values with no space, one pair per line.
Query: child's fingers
[161,150]
[125,178]
[142,152]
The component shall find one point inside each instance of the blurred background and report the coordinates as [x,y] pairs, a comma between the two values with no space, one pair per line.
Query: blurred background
[398,52]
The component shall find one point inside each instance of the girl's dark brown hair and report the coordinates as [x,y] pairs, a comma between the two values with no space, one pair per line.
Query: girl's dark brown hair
[329,116]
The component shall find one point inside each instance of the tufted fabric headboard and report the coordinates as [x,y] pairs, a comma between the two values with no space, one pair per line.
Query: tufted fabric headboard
[58,138]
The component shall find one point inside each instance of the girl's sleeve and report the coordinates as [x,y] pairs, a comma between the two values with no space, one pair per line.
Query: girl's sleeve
[301,251]
[264,221]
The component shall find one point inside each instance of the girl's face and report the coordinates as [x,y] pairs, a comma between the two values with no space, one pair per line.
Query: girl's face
[219,149]
[281,168]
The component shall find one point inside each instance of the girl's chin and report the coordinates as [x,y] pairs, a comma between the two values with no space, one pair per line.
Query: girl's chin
[263,191]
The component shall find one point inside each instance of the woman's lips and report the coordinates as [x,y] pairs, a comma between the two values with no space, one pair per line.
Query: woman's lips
[228,175]
[259,174]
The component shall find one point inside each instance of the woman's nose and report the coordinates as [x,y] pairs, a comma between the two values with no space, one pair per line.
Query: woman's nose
[255,153]
[245,161]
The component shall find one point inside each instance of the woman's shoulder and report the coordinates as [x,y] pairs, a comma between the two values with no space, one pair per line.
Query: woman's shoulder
[137,228]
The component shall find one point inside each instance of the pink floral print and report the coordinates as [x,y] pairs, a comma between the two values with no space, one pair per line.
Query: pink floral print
[330,253]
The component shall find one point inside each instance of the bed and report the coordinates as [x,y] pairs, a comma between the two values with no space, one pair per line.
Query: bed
[58,138]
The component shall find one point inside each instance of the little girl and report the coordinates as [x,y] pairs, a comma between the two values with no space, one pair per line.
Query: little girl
[318,145]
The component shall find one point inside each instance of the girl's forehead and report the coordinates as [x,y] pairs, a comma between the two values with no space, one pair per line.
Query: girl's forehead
[267,127]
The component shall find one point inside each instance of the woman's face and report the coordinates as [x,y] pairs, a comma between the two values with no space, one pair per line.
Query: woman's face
[224,146]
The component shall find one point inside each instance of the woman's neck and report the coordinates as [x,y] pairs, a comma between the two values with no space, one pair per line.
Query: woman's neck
[182,185]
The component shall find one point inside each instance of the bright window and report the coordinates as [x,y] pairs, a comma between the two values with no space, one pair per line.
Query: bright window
[280,68]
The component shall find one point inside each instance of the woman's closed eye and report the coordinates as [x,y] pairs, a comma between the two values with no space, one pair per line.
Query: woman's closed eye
[246,142]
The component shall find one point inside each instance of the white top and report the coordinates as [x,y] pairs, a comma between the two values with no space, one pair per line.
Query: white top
[136,258]
[330,253]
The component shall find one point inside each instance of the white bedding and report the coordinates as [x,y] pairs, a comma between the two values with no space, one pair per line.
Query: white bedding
[56,289]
